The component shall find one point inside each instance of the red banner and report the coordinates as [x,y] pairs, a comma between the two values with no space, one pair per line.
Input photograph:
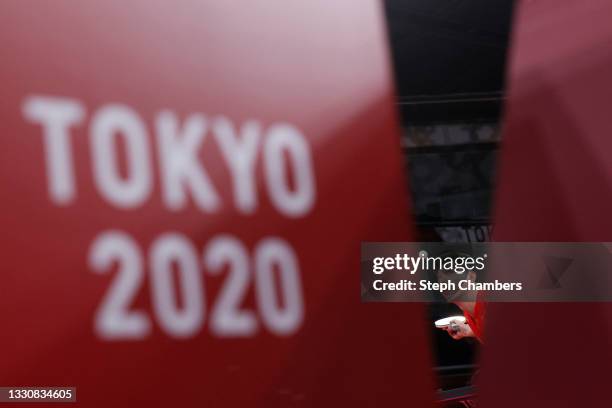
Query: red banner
[554,186]
[184,189]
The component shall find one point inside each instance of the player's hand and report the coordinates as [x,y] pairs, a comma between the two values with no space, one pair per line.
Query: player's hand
[458,330]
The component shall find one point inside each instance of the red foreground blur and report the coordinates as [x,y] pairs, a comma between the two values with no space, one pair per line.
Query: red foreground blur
[554,185]
[230,278]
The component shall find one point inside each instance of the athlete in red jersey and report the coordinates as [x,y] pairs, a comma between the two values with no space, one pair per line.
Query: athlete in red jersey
[474,313]
[473,310]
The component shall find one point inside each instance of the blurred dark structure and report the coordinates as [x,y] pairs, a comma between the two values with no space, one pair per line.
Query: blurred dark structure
[449,58]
